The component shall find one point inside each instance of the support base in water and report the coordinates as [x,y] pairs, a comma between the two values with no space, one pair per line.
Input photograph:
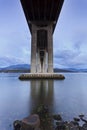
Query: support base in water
[41,76]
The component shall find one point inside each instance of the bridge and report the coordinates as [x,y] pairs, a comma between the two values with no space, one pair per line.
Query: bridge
[42,17]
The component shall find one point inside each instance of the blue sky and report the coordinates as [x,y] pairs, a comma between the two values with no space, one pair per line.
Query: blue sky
[70,36]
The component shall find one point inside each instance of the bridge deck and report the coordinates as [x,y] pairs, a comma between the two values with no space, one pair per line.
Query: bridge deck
[42,12]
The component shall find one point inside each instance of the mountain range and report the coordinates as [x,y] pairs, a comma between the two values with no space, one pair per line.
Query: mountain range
[26,68]
[16,68]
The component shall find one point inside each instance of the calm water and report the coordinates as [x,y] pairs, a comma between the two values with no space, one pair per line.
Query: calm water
[19,98]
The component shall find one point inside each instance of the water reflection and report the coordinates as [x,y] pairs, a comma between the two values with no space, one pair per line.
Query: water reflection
[17,98]
[42,92]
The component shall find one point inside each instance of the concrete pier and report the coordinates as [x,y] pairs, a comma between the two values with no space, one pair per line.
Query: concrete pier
[50,49]
[33,49]
[41,76]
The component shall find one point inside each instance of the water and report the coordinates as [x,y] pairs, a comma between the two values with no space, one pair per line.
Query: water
[18,98]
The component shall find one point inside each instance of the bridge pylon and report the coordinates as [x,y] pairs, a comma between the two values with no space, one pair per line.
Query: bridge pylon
[42,49]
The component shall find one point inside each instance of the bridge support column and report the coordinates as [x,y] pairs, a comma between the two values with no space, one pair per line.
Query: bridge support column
[33,49]
[42,49]
[45,62]
[38,62]
[50,49]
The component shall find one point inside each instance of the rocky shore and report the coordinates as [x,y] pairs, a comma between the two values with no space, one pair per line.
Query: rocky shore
[43,120]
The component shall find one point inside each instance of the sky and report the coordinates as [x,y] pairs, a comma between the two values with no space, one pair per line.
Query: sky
[70,36]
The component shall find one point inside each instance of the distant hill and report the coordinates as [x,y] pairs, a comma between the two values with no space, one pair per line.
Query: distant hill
[69,70]
[26,68]
[62,70]
[16,68]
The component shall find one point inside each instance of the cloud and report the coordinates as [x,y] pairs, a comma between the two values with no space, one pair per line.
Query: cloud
[10,60]
[73,58]
[64,57]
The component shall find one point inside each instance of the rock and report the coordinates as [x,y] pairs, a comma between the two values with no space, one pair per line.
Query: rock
[17,125]
[84,126]
[57,117]
[45,109]
[76,119]
[73,126]
[61,125]
[80,128]
[81,116]
[75,123]
[32,122]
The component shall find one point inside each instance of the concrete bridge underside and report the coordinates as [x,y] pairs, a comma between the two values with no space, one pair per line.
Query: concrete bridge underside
[42,16]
